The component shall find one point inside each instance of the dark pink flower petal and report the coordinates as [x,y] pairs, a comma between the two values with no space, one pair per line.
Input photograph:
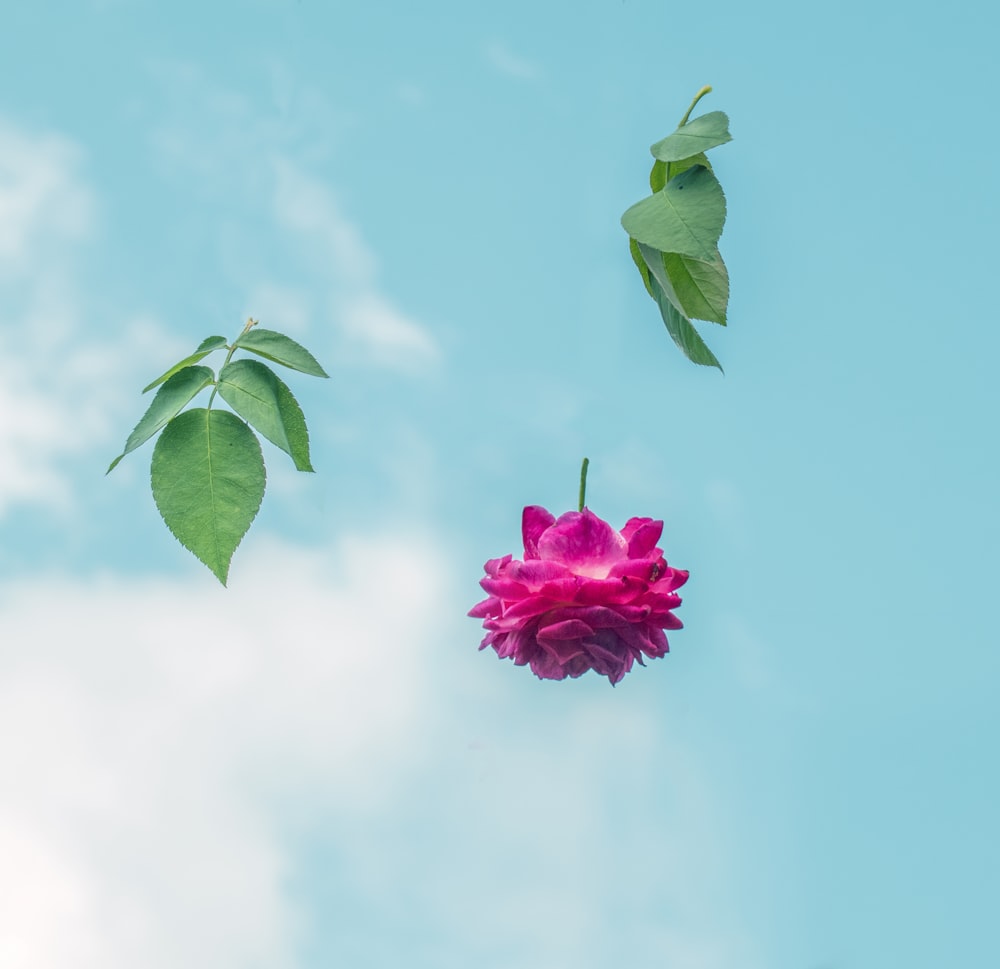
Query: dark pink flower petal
[534,520]
[642,534]
[488,607]
[504,588]
[567,629]
[584,543]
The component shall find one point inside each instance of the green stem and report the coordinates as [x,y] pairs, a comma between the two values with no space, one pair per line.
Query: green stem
[232,349]
[705,90]
[583,481]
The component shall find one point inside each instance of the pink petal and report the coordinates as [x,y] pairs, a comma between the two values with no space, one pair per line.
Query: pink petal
[642,534]
[534,520]
[568,629]
[584,543]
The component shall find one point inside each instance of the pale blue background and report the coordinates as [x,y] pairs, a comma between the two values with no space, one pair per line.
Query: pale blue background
[808,781]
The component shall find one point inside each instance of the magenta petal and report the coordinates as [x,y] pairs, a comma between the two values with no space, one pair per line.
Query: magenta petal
[569,629]
[584,543]
[534,520]
[504,588]
[488,607]
[642,534]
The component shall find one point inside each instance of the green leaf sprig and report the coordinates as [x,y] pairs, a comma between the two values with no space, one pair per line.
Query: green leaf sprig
[674,233]
[207,471]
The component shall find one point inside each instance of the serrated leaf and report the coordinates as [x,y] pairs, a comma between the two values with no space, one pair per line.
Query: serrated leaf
[176,392]
[698,135]
[208,482]
[686,216]
[661,172]
[702,287]
[281,349]
[259,396]
[207,346]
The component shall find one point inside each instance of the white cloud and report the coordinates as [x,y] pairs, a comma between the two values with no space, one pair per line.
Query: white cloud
[146,727]
[509,63]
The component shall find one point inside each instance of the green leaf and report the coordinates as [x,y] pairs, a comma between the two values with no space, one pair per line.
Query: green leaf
[281,349]
[259,396]
[686,216]
[207,346]
[702,287]
[640,264]
[170,399]
[208,482]
[678,325]
[698,135]
[661,172]
[682,332]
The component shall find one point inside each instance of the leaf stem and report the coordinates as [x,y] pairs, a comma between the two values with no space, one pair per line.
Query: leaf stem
[583,482]
[232,349]
[705,90]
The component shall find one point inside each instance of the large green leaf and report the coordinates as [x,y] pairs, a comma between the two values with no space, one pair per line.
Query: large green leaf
[176,392]
[702,287]
[697,135]
[207,346]
[259,396]
[281,349]
[208,482]
[686,216]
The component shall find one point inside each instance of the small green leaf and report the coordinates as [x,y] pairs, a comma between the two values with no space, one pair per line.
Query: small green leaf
[662,172]
[701,286]
[678,325]
[683,333]
[686,216]
[698,135]
[208,482]
[176,392]
[259,396]
[640,264]
[281,349]
[207,346]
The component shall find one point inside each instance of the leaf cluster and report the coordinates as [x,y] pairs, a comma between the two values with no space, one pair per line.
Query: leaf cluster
[674,232]
[207,473]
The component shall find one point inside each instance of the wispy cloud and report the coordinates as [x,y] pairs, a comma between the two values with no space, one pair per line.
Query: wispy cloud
[269,162]
[57,386]
[509,63]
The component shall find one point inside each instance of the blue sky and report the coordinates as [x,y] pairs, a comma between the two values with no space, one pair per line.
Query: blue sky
[315,766]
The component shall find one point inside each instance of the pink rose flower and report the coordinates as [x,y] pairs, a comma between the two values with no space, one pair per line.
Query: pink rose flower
[586,597]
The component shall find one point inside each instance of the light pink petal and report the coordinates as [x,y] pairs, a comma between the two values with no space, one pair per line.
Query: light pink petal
[584,543]
[535,573]
[534,520]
